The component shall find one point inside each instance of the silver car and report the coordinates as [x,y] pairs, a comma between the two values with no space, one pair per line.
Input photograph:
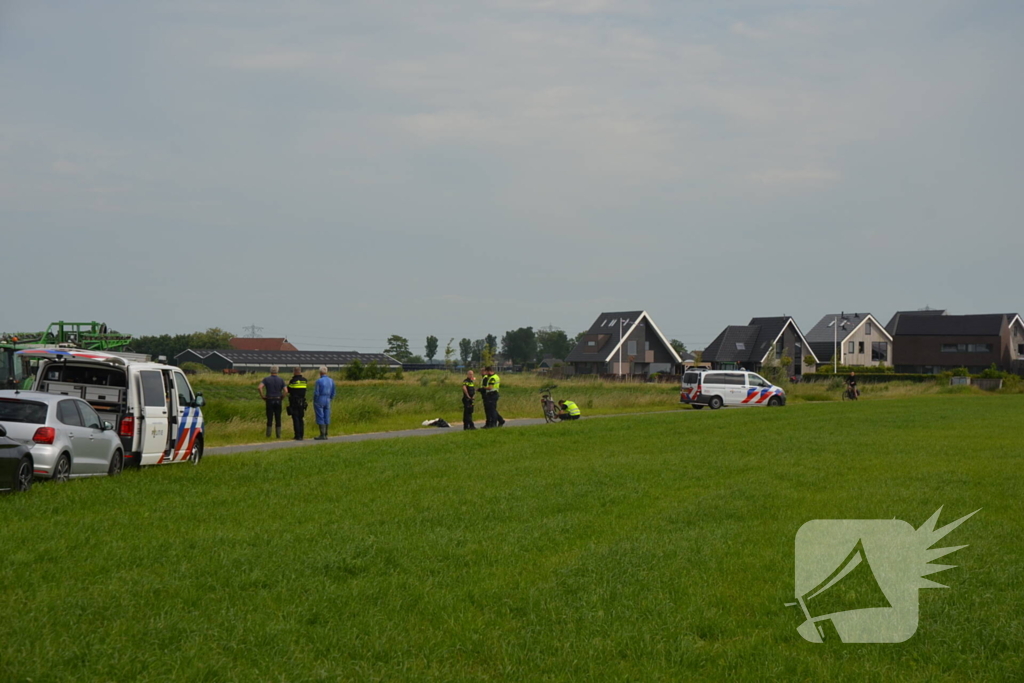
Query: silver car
[67,437]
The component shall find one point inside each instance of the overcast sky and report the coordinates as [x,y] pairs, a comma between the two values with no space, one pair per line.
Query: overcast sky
[336,172]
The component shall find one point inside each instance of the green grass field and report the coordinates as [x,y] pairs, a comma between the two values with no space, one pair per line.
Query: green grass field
[639,548]
[236,415]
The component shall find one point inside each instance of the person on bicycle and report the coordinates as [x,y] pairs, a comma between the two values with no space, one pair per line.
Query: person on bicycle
[851,385]
[570,411]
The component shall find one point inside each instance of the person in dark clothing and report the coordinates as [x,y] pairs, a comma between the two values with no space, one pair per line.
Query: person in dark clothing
[468,392]
[297,402]
[272,390]
[851,385]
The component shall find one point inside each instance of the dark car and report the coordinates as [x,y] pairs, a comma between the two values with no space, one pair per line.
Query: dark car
[15,464]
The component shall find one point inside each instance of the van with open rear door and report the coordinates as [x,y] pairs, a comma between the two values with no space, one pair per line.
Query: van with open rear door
[157,415]
[717,388]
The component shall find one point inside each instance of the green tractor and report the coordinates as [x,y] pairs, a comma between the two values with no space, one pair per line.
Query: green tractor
[92,336]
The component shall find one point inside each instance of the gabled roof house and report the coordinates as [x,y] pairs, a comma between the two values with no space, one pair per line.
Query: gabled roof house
[933,344]
[856,339]
[623,343]
[748,346]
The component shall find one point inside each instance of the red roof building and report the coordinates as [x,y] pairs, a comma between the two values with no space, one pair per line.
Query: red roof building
[261,344]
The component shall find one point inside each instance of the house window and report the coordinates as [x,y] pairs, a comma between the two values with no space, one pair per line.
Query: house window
[860,347]
[880,352]
[591,343]
[647,346]
[850,347]
[740,346]
[778,352]
[967,348]
[631,348]
[979,348]
[1020,349]
[867,327]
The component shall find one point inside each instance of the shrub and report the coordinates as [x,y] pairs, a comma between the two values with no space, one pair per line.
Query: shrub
[195,369]
[355,371]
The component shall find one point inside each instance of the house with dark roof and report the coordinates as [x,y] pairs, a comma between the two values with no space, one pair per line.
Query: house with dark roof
[937,343]
[748,346]
[234,360]
[856,339]
[623,343]
[894,321]
[261,344]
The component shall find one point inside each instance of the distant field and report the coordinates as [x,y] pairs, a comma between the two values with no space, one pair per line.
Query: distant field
[643,548]
[236,414]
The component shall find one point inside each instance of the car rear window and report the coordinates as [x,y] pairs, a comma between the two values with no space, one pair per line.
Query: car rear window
[16,410]
[691,378]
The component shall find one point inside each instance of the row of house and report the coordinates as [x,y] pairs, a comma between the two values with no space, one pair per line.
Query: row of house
[928,341]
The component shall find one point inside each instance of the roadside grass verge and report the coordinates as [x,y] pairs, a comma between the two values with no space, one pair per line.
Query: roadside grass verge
[652,547]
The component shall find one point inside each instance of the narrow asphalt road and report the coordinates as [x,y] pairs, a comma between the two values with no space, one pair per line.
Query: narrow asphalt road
[373,436]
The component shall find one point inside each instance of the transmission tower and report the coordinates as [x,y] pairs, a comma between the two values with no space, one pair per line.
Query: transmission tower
[253,331]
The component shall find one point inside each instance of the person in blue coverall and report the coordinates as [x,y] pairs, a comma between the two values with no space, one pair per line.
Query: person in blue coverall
[323,394]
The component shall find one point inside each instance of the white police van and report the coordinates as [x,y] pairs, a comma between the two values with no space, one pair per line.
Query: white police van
[717,388]
[152,406]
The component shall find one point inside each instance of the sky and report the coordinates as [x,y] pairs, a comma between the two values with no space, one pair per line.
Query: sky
[336,172]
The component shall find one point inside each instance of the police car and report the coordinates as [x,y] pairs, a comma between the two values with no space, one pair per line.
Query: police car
[157,415]
[717,388]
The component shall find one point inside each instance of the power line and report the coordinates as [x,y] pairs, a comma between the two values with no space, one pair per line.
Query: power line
[253,331]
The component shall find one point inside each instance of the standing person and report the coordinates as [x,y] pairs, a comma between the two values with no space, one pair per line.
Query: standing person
[297,402]
[272,391]
[468,392]
[323,394]
[493,384]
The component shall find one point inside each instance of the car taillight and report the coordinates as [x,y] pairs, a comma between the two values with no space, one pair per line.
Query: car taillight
[127,427]
[44,435]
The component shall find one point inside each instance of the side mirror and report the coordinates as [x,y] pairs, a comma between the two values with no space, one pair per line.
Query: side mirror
[107,426]
[200,401]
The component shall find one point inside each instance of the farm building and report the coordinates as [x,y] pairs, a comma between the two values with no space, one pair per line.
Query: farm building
[623,343]
[747,346]
[233,360]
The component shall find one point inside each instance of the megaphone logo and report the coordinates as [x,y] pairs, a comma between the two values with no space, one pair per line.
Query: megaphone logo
[857,579]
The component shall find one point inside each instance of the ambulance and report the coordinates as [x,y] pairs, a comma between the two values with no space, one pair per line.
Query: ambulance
[152,406]
[717,388]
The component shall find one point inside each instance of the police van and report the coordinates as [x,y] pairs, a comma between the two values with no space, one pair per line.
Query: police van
[717,388]
[153,407]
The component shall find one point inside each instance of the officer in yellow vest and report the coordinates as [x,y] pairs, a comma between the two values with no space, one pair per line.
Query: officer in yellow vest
[570,411]
[468,392]
[492,383]
[297,402]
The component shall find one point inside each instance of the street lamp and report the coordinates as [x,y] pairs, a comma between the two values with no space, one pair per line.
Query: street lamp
[835,339]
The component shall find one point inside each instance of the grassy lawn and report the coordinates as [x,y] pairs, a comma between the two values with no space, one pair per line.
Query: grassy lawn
[236,415]
[641,548]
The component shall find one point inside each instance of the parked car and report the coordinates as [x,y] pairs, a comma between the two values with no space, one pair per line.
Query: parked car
[15,464]
[67,437]
[717,388]
[157,414]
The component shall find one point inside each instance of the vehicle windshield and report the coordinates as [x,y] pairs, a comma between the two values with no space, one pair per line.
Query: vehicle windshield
[691,378]
[28,412]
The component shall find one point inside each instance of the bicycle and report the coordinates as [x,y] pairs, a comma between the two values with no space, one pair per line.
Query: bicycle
[850,393]
[548,404]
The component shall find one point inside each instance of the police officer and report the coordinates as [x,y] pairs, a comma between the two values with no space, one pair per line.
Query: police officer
[570,411]
[468,392]
[272,391]
[297,402]
[492,384]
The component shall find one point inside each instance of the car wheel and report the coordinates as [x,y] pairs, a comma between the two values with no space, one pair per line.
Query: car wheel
[697,407]
[715,402]
[774,402]
[62,470]
[196,454]
[24,482]
[116,464]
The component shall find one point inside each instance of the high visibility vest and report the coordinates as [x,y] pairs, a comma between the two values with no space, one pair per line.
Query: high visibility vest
[470,386]
[494,383]
[571,408]
[297,383]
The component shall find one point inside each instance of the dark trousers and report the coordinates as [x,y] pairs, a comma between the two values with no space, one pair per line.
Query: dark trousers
[298,413]
[467,413]
[494,418]
[274,413]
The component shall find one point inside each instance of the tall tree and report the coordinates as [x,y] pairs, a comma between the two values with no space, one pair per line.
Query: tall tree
[576,339]
[478,351]
[449,355]
[552,343]
[679,346]
[491,341]
[465,350]
[398,348]
[520,345]
[431,348]
[168,346]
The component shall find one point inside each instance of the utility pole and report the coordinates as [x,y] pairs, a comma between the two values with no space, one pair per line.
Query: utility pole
[253,331]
